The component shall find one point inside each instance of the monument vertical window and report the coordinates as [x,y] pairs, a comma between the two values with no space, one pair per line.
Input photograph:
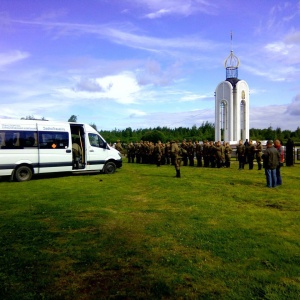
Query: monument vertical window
[223,115]
[243,115]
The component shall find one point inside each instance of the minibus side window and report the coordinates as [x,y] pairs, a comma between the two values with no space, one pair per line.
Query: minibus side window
[96,141]
[53,140]
[28,139]
[18,139]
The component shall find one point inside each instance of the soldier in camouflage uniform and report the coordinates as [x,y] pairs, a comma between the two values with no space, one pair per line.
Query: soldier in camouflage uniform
[228,151]
[250,152]
[199,154]
[157,152]
[212,154]
[258,153]
[168,153]
[220,154]
[137,149]
[191,153]
[151,155]
[144,152]
[130,152]
[184,155]
[240,150]
[163,154]
[176,153]
[118,146]
[205,150]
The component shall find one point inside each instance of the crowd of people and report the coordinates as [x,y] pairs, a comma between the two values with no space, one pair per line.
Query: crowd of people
[209,154]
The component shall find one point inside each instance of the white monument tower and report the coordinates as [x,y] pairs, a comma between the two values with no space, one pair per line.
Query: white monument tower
[232,105]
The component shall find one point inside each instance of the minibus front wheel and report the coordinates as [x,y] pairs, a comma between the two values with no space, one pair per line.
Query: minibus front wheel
[109,168]
[23,173]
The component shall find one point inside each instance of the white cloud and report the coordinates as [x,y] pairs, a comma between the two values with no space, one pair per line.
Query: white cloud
[158,14]
[155,44]
[293,109]
[88,84]
[293,37]
[125,35]
[136,113]
[276,116]
[189,97]
[152,73]
[12,57]
[254,91]
[185,8]
[270,73]
[122,88]
[139,119]
[279,47]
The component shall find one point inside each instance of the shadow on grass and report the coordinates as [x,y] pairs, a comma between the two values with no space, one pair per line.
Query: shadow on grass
[58,175]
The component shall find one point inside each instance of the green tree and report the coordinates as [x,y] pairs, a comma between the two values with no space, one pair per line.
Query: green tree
[279,134]
[269,134]
[297,133]
[33,118]
[94,126]
[154,136]
[73,118]
[286,134]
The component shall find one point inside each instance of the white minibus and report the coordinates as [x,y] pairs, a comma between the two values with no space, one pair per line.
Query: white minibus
[30,147]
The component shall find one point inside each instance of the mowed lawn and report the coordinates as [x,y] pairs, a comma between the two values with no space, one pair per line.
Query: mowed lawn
[143,234]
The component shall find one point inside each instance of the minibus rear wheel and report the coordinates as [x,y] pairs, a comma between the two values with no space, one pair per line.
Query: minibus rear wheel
[23,173]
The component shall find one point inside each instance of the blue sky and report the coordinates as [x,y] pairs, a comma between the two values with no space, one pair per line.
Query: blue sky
[147,63]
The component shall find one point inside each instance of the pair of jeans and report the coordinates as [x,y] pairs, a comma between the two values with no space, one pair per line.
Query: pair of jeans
[271,177]
[278,176]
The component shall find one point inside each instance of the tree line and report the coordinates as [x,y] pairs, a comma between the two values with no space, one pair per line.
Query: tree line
[206,131]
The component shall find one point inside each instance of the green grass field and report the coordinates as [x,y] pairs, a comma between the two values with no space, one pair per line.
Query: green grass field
[143,234]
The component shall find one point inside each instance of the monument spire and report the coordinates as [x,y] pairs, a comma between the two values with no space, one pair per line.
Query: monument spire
[231,64]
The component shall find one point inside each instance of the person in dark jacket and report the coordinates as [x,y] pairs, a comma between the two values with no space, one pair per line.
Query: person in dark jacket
[279,148]
[271,160]
[289,152]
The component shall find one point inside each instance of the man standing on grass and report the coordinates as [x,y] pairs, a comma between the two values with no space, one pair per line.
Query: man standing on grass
[185,154]
[176,153]
[250,151]
[228,151]
[199,154]
[118,146]
[191,153]
[258,153]
[220,151]
[280,150]
[271,161]
[157,152]
[240,150]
